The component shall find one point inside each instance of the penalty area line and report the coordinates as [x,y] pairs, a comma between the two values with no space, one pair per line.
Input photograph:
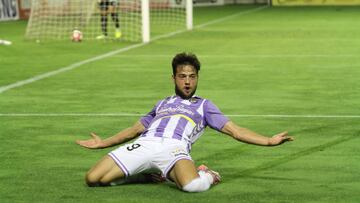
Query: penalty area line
[67,68]
[140,114]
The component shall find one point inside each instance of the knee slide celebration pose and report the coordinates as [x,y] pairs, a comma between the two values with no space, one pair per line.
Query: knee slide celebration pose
[164,137]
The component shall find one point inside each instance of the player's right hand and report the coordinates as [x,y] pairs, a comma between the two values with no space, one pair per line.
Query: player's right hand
[280,138]
[94,143]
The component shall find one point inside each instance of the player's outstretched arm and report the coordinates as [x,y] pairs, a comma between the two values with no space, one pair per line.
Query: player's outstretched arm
[248,136]
[127,134]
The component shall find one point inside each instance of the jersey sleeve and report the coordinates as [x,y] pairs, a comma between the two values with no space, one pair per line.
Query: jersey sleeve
[146,120]
[213,116]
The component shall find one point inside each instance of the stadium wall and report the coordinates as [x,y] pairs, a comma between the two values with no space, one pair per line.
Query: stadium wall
[315,2]
[246,1]
[9,10]
[24,8]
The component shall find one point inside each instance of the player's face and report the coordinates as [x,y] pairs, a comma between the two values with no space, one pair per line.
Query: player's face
[185,81]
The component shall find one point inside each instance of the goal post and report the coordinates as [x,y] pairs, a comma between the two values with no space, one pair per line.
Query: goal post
[189,14]
[145,17]
[138,20]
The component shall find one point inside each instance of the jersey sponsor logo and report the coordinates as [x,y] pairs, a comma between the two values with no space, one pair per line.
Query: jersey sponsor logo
[179,152]
[177,109]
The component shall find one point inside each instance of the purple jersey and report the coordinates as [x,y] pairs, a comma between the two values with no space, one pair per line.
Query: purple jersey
[181,119]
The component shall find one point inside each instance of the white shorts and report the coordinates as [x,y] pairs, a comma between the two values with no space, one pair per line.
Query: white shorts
[144,155]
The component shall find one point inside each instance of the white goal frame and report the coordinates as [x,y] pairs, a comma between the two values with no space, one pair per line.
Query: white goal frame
[143,29]
[145,14]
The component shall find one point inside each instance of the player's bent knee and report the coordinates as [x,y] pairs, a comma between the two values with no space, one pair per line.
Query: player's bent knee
[197,185]
[92,180]
[104,182]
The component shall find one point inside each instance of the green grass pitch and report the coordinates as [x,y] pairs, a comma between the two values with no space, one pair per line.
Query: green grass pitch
[296,61]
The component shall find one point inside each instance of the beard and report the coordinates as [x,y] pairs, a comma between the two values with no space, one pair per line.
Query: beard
[182,95]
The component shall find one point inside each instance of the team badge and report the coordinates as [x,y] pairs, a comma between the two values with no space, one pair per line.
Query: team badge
[193,100]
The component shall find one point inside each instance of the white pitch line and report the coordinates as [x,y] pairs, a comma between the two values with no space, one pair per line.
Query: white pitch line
[112,53]
[70,114]
[140,114]
[296,116]
[250,56]
[67,68]
[231,16]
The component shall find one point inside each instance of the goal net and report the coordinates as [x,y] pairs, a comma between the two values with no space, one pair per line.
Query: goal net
[137,19]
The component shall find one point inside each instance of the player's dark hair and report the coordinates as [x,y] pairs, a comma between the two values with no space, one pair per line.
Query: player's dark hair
[185,59]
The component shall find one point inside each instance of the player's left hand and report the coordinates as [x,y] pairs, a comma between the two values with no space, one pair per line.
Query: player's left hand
[280,138]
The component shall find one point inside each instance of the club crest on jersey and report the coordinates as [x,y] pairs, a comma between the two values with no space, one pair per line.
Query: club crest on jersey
[193,100]
[179,152]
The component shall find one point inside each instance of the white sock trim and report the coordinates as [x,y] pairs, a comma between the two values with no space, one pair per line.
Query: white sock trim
[199,184]
[207,175]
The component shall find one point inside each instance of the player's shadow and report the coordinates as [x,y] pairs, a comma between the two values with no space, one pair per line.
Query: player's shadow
[263,177]
[293,156]
[289,157]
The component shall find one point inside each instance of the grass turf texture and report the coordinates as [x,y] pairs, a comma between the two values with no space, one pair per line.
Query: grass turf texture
[297,61]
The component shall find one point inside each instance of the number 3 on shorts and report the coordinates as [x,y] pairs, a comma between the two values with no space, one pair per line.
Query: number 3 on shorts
[133,146]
